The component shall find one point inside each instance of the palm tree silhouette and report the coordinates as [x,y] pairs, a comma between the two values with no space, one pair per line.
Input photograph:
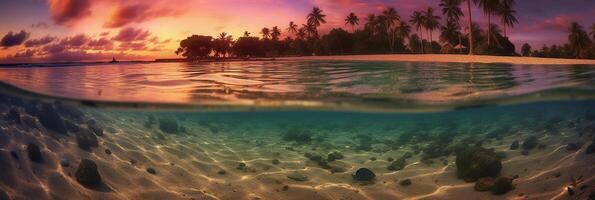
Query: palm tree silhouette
[266,32]
[314,19]
[495,33]
[489,7]
[507,14]
[391,18]
[470,26]
[452,10]
[403,31]
[301,33]
[418,20]
[292,28]
[275,33]
[371,24]
[352,20]
[431,22]
[450,32]
[578,39]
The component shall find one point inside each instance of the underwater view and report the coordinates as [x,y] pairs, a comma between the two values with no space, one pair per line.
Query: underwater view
[297,130]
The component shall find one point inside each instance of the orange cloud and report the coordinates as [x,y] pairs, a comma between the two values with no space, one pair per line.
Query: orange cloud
[136,13]
[68,11]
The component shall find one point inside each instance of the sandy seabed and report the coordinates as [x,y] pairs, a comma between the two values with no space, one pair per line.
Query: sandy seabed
[207,163]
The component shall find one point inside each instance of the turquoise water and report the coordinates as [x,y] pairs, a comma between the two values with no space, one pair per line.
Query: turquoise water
[275,130]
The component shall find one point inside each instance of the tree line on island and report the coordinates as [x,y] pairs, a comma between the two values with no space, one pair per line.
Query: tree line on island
[389,33]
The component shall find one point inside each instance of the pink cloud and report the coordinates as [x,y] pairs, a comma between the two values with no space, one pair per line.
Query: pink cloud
[131,34]
[66,12]
[137,13]
[561,22]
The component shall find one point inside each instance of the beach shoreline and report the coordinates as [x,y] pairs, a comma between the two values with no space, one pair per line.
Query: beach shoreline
[452,58]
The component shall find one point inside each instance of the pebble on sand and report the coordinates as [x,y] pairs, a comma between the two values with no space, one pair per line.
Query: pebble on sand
[397,165]
[405,182]
[502,185]
[64,162]
[296,176]
[151,170]
[477,162]
[87,173]
[364,174]
[34,153]
[530,143]
[334,156]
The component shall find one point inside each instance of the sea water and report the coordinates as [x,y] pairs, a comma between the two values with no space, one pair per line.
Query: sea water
[297,130]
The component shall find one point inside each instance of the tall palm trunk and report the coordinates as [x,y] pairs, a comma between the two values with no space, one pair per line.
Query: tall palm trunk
[489,29]
[421,35]
[471,48]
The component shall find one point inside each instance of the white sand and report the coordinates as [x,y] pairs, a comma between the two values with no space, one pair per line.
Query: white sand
[449,58]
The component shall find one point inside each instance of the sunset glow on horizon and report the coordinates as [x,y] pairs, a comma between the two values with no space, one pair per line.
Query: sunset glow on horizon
[41,30]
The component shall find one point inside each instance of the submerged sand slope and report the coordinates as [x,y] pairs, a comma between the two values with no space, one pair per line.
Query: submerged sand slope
[217,160]
[450,58]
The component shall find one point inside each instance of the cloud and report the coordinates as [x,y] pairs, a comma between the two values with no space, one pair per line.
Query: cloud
[101,44]
[14,39]
[132,46]
[76,41]
[136,13]
[66,12]
[131,34]
[26,54]
[40,41]
[561,22]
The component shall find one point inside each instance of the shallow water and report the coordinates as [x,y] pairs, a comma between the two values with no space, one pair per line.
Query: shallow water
[330,85]
[274,129]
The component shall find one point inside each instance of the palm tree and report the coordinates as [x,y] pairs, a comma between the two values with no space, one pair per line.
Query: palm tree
[371,24]
[452,10]
[507,13]
[275,33]
[450,32]
[352,20]
[266,32]
[315,18]
[471,47]
[301,33]
[495,33]
[222,44]
[391,18]
[403,31]
[489,7]
[246,34]
[431,22]
[418,20]
[578,39]
[292,28]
